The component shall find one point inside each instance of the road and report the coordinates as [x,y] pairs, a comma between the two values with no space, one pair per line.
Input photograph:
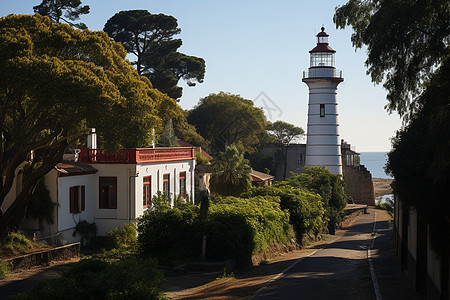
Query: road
[341,270]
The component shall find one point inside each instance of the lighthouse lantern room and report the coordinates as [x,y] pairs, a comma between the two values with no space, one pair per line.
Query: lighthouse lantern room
[322,78]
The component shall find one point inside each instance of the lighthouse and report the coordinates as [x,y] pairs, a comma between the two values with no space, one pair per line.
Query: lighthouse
[322,78]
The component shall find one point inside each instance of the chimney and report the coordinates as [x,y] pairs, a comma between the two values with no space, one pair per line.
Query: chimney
[92,139]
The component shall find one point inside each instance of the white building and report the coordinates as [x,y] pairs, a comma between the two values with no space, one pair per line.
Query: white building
[112,189]
[322,141]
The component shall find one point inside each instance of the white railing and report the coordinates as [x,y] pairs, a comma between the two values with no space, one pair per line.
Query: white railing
[322,73]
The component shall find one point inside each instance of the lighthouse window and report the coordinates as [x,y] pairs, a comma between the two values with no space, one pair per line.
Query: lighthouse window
[322,110]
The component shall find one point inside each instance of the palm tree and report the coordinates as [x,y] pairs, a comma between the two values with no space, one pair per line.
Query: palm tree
[231,173]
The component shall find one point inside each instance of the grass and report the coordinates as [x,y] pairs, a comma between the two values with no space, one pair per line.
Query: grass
[226,275]
[5,269]
[15,242]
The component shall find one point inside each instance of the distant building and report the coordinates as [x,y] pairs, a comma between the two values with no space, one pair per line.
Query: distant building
[323,147]
[261,179]
[359,186]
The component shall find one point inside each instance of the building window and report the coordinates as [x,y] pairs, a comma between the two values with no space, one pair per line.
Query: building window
[108,192]
[147,195]
[166,185]
[322,110]
[77,199]
[183,184]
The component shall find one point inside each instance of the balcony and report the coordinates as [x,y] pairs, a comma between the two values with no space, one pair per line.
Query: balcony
[136,155]
[322,73]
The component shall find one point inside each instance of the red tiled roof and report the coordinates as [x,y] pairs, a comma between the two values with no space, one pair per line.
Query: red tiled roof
[260,176]
[322,48]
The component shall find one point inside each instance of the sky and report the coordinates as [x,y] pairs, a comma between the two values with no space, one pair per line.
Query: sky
[259,49]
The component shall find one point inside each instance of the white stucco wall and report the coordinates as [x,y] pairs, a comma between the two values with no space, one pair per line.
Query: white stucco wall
[157,171]
[67,220]
[130,189]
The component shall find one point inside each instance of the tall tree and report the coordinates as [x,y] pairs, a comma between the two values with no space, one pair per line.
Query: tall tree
[407,41]
[284,133]
[55,82]
[54,9]
[409,48]
[231,173]
[224,119]
[150,37]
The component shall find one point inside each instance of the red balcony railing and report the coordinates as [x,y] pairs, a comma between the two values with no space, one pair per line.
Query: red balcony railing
[136,155]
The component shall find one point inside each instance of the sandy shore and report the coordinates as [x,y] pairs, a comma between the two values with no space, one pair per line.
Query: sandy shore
[382,186]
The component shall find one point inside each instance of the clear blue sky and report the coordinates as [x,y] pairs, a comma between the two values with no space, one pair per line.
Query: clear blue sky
[262,46]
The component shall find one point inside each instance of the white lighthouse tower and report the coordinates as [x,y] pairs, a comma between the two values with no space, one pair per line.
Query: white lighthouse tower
[322,78]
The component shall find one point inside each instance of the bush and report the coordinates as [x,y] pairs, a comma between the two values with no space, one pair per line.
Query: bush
[5,269]
[170,234]
[97,279]
[329,186]
[235,228]
[388,206]
[305,209]
[264,215]
[123,238]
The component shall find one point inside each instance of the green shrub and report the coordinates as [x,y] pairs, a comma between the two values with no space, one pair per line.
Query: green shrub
[123,238]
[235,228]
[305,209]
[86,230]
[169,234]
[329,186]
[15,242]
[5,269]
[229,235]
[97,279]
[388,206]
[264,215]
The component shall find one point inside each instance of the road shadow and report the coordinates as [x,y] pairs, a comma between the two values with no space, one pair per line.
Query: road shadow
[10,286]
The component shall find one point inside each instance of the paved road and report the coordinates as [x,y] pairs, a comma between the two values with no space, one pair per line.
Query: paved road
[341,270]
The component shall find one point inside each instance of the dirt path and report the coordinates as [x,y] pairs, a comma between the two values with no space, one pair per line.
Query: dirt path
[23,280]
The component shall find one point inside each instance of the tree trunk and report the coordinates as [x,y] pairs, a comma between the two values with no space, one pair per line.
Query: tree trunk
[13,216]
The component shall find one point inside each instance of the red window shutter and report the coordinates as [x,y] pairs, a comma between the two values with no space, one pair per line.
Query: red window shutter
[82,197]
[72,198]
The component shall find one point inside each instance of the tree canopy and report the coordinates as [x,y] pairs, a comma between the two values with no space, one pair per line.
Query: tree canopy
[224,119]
[420,159]
[231,173]
[406,41]
[284,133]
[55,83]
[54,9]
[150,37]
[408,48]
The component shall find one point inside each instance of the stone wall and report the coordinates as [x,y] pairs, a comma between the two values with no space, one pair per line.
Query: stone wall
[359,184]
[45,257]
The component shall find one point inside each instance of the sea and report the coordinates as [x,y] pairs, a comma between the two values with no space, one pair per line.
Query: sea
[375,162]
